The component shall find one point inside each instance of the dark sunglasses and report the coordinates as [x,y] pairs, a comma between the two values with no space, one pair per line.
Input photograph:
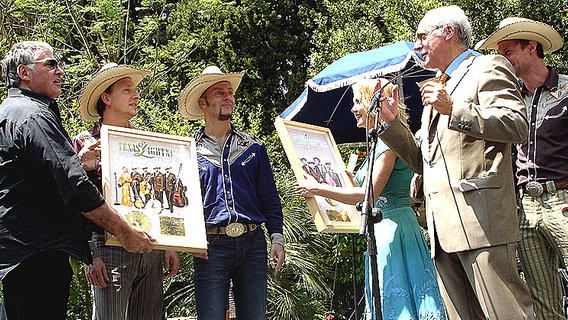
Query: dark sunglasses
[51,62]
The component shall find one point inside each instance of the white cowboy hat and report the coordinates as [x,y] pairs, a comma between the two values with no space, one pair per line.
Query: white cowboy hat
[109,74]
[188,106]
[515,28]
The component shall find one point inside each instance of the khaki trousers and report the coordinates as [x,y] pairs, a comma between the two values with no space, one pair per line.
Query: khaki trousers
[483,284]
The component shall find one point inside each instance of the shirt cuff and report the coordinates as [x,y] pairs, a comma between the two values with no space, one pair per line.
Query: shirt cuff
[97,240]
[278,238]
[94,249]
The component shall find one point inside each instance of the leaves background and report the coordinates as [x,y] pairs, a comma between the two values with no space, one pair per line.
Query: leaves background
[280,44]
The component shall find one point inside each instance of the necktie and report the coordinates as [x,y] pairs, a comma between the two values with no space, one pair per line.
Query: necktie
[441,79]
[444,78]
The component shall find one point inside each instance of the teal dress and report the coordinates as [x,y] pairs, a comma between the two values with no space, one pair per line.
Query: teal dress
[407,277]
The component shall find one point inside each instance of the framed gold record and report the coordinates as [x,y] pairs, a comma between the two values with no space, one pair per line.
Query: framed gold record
[152,181]
[312,150]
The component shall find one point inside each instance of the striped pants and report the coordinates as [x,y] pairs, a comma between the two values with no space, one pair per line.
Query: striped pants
[543,248]
[135,290]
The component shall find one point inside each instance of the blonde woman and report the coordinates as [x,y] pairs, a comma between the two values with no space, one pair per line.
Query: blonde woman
[407,277]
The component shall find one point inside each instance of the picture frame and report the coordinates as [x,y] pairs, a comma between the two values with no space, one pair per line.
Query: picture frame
[152,181]
[312,150]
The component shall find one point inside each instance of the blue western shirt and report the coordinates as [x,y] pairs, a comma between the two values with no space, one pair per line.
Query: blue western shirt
[237,183]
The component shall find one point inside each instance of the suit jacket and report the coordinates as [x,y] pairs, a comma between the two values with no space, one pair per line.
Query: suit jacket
[465,157]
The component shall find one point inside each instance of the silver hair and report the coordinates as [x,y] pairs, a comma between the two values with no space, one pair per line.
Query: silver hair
[20,53]
[450,16]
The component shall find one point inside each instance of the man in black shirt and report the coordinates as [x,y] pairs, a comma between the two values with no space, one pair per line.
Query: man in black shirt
[45,194]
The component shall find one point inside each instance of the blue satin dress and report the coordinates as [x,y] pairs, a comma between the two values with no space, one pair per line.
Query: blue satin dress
[407,277]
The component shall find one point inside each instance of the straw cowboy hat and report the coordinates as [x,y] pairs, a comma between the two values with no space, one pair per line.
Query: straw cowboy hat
[109,74]
[515,28]
[188,106]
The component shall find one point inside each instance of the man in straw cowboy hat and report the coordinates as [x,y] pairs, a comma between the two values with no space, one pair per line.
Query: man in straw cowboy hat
[44,192]
[542,160]
[464,153]
[125,285]
[239,195]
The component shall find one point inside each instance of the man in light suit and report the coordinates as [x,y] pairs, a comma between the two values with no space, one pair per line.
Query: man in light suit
[464,154]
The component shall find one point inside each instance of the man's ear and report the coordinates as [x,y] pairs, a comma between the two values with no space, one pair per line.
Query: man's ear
[24,73]
[449,31]
[532,45]
[105,98]
[202,103]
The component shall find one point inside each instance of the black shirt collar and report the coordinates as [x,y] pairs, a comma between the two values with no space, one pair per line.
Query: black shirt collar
[550,83]
[47,101]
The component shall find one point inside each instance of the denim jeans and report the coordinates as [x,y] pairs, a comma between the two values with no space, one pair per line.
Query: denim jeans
[242,260]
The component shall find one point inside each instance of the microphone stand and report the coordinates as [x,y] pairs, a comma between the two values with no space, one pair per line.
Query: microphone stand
[371,215]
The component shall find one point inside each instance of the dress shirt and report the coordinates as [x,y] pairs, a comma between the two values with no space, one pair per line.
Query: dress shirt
[458,60]
[43,188]
[237,183]
[544,155]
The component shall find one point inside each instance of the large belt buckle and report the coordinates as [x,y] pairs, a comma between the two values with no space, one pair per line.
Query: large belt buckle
[235,229]
[534,189]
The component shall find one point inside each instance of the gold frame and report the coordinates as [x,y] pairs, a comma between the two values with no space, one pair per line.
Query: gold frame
[165,201]
[302,140]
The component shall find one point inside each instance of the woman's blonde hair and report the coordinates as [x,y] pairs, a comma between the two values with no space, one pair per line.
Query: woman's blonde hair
[367,87]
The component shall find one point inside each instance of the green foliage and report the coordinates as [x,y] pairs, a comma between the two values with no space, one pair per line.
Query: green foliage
[179,291]
[80,300]
[280,44]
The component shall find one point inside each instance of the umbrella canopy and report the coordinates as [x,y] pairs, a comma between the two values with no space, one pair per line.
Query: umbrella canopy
[328,98]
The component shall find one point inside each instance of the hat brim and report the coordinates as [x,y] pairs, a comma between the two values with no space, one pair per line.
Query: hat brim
[540,32]
[100,82]
[188,106]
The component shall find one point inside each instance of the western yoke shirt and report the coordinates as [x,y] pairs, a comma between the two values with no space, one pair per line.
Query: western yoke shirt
[544,155]
[96,176]
[237,183]
[43,188]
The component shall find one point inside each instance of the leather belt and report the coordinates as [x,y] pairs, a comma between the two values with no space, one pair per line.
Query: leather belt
[535,189]
[233,229]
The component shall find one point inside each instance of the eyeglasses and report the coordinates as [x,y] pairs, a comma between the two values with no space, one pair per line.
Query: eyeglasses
[422,36]
[50,62]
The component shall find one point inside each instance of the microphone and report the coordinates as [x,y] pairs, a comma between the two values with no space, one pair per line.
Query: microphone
[374,105]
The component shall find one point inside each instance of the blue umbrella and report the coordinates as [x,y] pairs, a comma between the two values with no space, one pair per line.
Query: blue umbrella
[327,100]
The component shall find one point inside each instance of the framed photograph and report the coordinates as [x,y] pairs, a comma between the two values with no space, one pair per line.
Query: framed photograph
[152,180]
[312,150]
